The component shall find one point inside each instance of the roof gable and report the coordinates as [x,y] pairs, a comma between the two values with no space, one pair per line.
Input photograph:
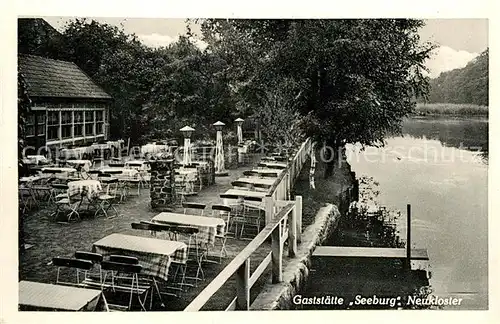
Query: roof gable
[53,78]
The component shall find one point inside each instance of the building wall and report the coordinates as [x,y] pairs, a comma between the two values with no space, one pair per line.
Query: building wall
[60,124]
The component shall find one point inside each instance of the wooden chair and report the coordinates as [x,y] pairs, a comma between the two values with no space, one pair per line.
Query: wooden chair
[76,264]
[224,212]
[248,216]
[107,198]
[129,284]
[194,206]
[71,202]
[96,259]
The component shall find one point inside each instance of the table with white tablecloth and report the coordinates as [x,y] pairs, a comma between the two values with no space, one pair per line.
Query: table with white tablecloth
[49,297]
[91,187]
[241,194]
[121,173]
[86,164]
[58,172]
[154,255]
[208,227]
[151,149]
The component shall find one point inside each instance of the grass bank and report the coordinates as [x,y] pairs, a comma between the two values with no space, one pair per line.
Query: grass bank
[424,109]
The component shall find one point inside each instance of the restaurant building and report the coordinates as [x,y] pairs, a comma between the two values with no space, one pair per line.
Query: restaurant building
[68,108]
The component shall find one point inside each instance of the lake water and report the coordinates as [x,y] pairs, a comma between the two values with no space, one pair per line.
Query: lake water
[440,167]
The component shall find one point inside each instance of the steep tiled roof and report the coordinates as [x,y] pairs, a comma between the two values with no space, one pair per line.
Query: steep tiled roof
[52,78]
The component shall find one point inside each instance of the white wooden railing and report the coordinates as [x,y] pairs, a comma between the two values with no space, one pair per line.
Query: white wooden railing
[283,227]
[283,185]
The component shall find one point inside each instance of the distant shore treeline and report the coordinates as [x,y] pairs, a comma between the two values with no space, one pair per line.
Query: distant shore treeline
[467,86]
[451,109]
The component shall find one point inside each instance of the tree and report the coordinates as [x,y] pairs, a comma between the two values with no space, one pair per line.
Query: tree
[468,85]
[357,77]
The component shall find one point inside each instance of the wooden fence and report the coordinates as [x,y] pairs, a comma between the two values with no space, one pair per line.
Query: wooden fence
[283,227]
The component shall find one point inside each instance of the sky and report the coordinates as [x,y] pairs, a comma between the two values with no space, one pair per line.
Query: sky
[458,40]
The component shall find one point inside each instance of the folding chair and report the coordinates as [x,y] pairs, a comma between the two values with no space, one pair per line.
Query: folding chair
[195,253]
[77,264]
[26,198]
[249,217]
[143,282]
[58,192]
[129,285]
[180,188]
[72,202]
[195,206]
[106,200]
[224,212]
[96,259]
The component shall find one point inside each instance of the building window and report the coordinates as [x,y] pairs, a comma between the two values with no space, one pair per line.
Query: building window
[89,117]
[53,118]
[52,132]
[67,123]
[40,123]
[99,117]
[30,125]
[89,129]
[78,123]
[52,125]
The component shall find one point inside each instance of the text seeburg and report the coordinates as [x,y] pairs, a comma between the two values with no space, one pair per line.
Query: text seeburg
[375,300]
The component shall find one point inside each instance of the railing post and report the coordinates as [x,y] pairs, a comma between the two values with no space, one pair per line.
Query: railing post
[292,232]
[298,212]
[269,208]
[242,286]
[277,255]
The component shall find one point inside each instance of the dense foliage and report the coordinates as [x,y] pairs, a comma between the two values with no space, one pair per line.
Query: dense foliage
[340,81]
[349,80]
[468,85]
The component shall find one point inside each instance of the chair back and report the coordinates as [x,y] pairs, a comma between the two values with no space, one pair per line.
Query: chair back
[89,256]
[250,173]
[229,196]
[242,184]
[72,263]
[255,199]
[222,211]
[269,174]
[147,226]
[262,186]
[123,259]
[192,205]
[277,167]
[280,158]
[121,267]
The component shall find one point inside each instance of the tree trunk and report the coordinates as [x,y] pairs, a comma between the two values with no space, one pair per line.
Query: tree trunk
[329,157]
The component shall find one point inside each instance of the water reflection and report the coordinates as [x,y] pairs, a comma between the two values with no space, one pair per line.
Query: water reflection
[464,133]
[447,187]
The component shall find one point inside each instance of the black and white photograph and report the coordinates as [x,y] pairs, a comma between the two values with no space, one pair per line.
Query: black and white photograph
[227,164]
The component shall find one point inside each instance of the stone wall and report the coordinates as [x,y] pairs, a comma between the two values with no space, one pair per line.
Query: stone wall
[296,270]
[162,189]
